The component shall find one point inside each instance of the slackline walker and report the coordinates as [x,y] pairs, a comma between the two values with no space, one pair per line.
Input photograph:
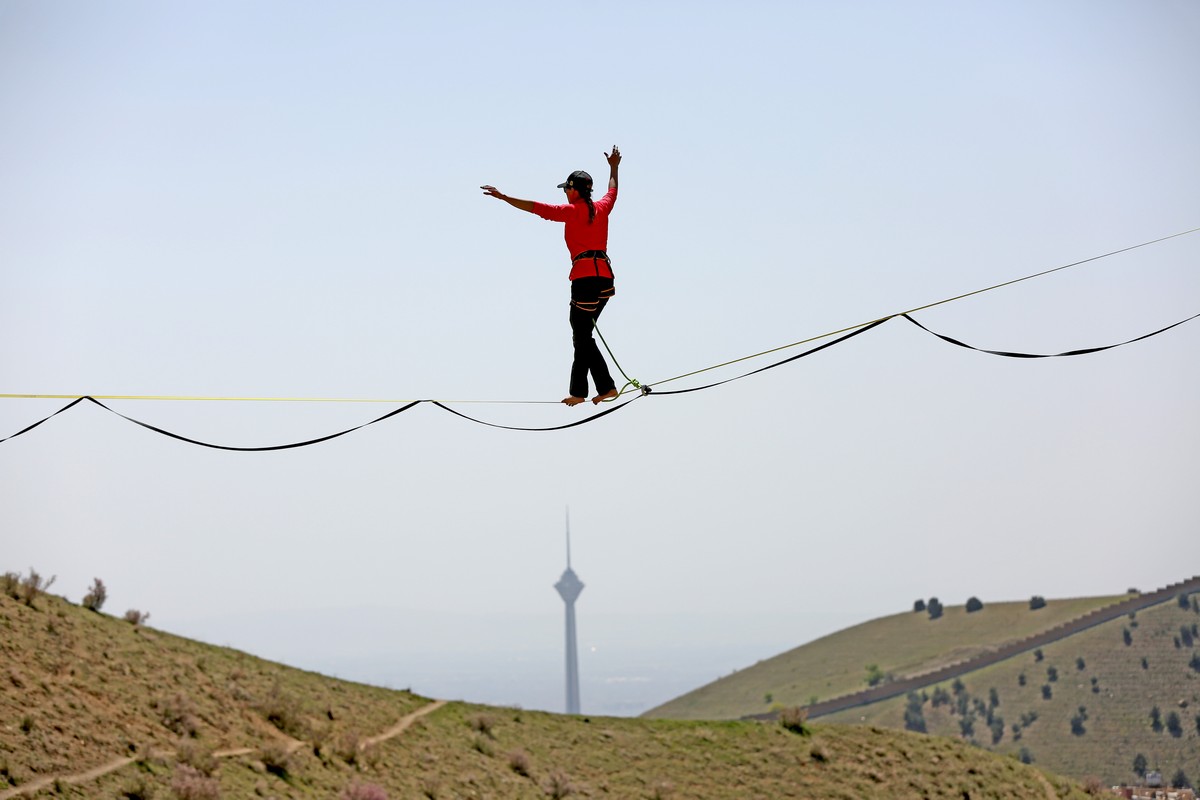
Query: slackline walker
[586,233]
[841,335]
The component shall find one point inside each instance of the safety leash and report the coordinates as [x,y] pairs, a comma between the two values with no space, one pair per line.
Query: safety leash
[628,380]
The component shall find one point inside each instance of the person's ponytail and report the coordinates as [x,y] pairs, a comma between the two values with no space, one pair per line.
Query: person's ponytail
[586,194]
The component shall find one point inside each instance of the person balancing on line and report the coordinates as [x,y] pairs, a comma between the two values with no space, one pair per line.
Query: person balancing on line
[586,233]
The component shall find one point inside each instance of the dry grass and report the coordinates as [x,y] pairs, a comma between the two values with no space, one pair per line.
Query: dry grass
[87,683]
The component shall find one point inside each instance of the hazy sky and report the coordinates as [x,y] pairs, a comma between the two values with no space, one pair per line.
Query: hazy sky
[281,199]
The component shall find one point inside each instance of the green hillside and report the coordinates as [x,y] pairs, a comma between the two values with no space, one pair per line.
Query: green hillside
[900,645]
[92,706]
[1097,718]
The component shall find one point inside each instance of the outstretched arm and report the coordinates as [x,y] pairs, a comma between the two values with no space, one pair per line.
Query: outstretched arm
[492,191]
[614,161]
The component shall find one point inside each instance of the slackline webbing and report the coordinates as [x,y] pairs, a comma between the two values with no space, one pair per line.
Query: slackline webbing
[1083,352]
[852,334]
[849,332]
[594,417]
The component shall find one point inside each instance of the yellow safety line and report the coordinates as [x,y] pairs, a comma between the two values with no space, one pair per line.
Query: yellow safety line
[254,399]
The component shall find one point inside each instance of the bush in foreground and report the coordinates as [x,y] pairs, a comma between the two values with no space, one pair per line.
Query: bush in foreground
[363,791]
[795,719]
[94,599]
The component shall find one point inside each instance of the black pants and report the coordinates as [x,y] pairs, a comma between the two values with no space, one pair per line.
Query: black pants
[588,298]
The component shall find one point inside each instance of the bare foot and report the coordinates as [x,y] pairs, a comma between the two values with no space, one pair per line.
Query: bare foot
[611,394]
[572,400]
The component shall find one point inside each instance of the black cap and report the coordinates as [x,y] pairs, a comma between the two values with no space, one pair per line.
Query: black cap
[576,180]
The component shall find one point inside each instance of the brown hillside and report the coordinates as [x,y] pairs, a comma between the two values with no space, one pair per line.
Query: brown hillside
[95,707]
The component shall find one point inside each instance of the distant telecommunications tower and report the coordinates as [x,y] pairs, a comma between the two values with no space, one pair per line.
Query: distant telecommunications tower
[569,586]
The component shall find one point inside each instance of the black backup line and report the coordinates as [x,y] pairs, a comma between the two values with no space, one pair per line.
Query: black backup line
[594,417]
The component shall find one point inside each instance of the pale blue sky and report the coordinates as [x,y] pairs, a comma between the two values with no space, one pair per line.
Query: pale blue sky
[281,199]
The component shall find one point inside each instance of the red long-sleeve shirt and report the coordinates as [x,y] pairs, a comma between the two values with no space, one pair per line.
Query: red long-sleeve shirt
[580,234]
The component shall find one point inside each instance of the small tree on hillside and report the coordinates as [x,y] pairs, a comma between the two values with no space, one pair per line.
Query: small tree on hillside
[1127,636]
[874,675]
[1180,780]
[1139,765]
[1036,602]
[919,605]
[1156,720]
[974,604]
[1174,725]
[914,713]
[96,596]
[1037,654]
[1184,603]
[934,608]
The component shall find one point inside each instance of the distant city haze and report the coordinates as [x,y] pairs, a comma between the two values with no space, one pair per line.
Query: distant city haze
[627,664]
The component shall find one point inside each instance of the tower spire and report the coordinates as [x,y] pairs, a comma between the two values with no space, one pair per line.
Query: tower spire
[568,587]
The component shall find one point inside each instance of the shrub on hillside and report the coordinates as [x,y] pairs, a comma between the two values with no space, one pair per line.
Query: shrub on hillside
[1180,780]
[1080,664]
[189,784]
[874,675]
[1047,692]
[914,713]
[1052,674]
[177,713]
[974,604]
[135,617]
[1185,635]
[1139,765]
[283,711]
[919,605]
[96,595]
[1026,756]
[1184,603]
[483,723]
[29,588]
[558,785]
[137,789]
[277,759]
[1174,725]
[1156,720]
[1127,636]
[795,719]
[196,756]
[1036,602]
[997,727]
[518,762]
[363,791]
[1037,654]
[934,608]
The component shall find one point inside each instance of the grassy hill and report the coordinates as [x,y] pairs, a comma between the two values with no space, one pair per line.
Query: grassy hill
[1102,685]
[92,706]
[900,645]
[1097,717]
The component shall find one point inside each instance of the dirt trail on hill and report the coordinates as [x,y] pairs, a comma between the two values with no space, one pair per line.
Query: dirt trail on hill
[402,725]
[291,744]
